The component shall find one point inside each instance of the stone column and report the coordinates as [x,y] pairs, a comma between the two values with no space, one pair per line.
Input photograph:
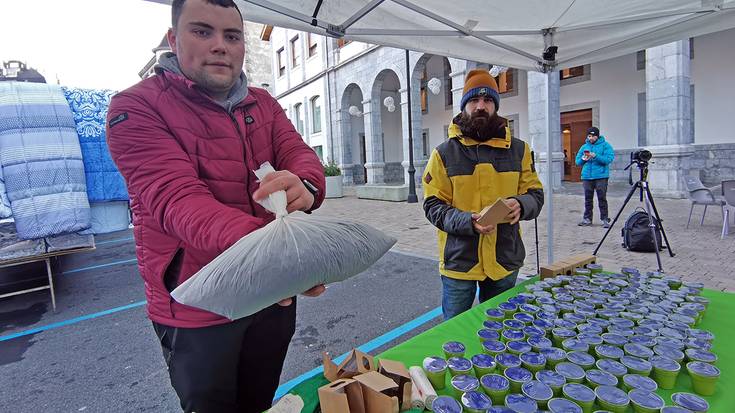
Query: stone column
[375,164]
[418,143]
[543,88]
[343,144]
[457,89]
[669,134]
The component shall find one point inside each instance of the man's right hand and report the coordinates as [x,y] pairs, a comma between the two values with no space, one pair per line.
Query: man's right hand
[479,228]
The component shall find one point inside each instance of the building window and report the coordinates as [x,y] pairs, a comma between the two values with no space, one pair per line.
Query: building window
[295,51]
[316,115]
[424,92]
[425,143]
[311,39]
[298,116]
[512,127]
[448,95]
[571,72]
[505,82]
[640,60]
[341,42]
[281,62]
[319,152]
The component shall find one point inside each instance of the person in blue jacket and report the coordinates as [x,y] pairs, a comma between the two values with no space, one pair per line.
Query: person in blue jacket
[595,157]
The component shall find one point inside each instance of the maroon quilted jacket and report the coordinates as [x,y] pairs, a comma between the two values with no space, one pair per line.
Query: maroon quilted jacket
[188,163]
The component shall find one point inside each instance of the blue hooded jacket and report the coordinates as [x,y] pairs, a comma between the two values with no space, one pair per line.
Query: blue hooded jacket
[599,166]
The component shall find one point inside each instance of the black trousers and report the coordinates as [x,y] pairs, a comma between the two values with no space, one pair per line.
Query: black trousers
[233,367]
[590,187]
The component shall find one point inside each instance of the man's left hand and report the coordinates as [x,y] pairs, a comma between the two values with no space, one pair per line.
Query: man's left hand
[515,210]
[298,197]
[312,292]
[592,154]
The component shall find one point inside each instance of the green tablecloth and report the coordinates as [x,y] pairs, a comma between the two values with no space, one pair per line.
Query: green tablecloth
[719,319]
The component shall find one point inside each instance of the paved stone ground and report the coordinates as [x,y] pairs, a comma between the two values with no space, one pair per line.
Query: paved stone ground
[700,253]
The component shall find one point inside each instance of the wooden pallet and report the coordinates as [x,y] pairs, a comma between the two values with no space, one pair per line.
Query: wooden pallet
[566,266]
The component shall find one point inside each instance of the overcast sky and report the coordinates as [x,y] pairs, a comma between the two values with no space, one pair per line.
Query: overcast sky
[86,43]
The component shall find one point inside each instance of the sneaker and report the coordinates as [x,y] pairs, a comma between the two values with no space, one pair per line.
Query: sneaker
[606,223]
[585,223]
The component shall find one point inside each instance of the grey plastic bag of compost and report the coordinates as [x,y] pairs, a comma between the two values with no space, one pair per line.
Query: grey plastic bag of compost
[288,256]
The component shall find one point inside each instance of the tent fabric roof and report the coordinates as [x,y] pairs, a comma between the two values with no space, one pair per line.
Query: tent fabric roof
[507,33]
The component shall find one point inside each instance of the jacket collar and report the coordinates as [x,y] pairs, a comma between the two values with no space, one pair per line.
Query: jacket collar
[455,132]
[168,66]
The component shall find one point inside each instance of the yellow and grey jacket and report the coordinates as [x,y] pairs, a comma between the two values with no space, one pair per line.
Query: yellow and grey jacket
[462,177]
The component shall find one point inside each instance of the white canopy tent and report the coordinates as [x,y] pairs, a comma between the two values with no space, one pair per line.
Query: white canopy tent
[536,35]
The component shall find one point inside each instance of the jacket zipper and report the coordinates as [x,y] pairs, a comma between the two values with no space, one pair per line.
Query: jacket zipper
[244,157]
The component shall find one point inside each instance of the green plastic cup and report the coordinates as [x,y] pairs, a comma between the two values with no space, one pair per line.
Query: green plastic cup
[446,404]
[533,362]
[560,405]
[436,371]
[636,381]
[453,349]
[571,372]
[704,377]
[665,371]
[580,394]
[463,383]
[637,365]
[612,399]
[690,401]
[517,376]
[475,402]
[538,391]
[496,386]
[493,347]
[693,354]
[552,379]
[645,402]
[459,366]
[554,356]
[595,378]
[483,364]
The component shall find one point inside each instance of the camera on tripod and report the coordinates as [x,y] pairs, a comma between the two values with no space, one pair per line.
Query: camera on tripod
[640,156]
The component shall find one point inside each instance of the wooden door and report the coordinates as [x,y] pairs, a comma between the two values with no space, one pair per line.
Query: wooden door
[575,124]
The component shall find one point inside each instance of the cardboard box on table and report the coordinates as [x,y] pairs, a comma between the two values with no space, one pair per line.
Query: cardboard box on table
[356,386]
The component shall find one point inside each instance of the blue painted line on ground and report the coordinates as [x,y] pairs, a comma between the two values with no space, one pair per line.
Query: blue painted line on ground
[95,267]
[367,347]
[113,241]
[71,321]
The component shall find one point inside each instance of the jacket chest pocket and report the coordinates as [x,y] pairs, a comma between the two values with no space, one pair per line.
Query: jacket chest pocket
[507,165]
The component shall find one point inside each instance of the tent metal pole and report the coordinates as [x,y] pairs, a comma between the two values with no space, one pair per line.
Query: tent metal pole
[633,19]
[412,198]
[445,33]
[288,12]
[549,190]
[361,13]
[643,33]
[549,187]
[440,19]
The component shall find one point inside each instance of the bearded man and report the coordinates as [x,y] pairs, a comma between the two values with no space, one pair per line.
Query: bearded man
[478,164]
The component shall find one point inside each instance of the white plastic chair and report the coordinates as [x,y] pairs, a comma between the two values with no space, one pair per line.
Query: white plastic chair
[701,195]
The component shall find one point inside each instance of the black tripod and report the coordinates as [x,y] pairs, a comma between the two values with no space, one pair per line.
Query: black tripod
[647,199]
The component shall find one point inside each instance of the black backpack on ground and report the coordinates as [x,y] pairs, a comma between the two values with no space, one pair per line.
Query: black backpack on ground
[637,233]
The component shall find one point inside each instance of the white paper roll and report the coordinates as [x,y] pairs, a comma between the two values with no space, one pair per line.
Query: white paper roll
[422,385]
[417,402]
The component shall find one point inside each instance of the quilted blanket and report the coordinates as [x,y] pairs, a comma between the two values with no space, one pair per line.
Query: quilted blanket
[41,161]
[5,210]
[89,107]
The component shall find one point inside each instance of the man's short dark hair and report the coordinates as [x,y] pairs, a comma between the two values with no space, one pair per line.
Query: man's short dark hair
[178,5]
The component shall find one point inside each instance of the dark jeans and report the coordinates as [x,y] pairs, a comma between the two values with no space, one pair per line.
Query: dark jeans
[233,367]
[458,295]
[590,187]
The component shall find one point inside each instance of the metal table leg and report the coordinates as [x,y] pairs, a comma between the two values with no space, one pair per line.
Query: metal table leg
[51,283]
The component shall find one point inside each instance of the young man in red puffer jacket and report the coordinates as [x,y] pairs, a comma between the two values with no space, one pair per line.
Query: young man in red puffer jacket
[187,141]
